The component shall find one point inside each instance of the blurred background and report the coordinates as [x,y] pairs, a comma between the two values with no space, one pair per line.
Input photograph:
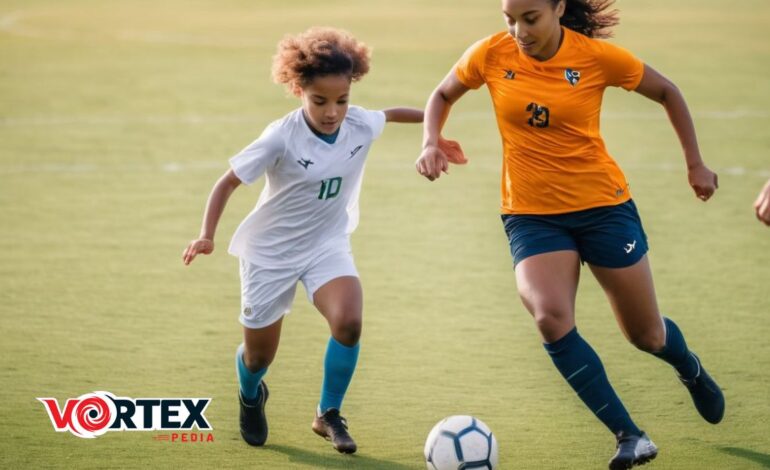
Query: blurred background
[116,118]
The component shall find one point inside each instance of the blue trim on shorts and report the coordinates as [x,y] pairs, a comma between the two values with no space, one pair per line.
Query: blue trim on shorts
[609,236]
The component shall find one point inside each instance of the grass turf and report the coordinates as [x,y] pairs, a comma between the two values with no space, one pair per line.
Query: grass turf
[116,119]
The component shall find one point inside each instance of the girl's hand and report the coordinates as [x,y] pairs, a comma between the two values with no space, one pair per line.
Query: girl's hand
[762,204]
[432,162]
[703,181]
[201,246]
[452,150]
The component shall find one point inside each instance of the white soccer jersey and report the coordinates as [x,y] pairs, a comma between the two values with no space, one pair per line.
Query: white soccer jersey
[310,199]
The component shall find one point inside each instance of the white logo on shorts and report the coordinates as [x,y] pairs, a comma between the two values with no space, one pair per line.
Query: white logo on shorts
[630,247]
[247,311]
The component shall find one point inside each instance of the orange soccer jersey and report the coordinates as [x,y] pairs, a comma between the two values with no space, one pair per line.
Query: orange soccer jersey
[554,159]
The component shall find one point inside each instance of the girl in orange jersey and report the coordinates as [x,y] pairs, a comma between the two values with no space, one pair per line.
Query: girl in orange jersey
[566,201]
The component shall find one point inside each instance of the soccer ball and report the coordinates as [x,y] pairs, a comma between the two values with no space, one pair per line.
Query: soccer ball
[459,443]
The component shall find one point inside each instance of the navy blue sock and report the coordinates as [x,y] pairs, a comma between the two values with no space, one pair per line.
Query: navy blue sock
[675,352]
[583,369]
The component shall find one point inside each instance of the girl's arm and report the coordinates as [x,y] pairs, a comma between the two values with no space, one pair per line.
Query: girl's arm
[433,159]
[451,149]
[215,205]
[658,88]
[762,204]
[403,115]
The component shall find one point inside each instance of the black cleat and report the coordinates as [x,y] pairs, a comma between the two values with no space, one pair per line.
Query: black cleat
[632,450]
[333,427]
[706,395]
[252,418]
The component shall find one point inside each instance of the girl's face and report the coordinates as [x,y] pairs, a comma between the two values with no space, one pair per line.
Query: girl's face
[325,102]
[534,24]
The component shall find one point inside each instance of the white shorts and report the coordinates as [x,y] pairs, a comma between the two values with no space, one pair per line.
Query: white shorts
[267,293]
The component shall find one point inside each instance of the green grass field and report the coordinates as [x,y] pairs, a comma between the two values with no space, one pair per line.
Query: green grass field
[117,117]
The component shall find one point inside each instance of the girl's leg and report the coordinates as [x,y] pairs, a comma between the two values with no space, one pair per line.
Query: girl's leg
[266,296]
[340,301]
[254,355]
[631,293]
[547,284]
[252,358]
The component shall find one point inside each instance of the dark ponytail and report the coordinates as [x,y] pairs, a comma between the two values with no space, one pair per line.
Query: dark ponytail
[589,17]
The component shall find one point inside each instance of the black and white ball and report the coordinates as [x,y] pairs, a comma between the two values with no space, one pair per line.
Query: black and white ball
[461,443]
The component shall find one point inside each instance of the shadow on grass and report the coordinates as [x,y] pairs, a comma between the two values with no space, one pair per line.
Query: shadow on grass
[326,460]
[757,457]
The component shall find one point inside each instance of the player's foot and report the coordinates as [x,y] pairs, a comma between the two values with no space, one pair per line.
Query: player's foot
[253,420]
[632,450]
[333,427]
[706,395]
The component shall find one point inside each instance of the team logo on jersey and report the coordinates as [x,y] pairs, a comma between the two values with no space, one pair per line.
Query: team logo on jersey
[572,76]
[509,74]
[305,163]
[355,151]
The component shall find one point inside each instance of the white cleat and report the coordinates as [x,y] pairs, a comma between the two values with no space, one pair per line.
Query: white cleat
[633,450]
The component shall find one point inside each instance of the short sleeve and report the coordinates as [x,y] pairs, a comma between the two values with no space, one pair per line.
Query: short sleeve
[376,121]
[252,162]
[621,68]
[470,68]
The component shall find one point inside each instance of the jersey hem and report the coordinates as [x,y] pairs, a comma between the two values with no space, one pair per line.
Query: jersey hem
[508,211]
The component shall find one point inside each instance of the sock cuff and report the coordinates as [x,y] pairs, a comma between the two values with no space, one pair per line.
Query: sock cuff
[563,342]
[670,326]
[242,368]
[671,330]
[334,343]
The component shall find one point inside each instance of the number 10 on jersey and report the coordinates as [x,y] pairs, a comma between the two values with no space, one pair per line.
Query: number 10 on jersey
[330,188]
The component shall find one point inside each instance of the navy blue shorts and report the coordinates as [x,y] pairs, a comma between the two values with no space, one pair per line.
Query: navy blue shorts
[610,237]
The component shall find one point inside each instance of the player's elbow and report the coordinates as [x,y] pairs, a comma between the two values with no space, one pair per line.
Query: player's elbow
[228,182]
[447,98]
[669,91]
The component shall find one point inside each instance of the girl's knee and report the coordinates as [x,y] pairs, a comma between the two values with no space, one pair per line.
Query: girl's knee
[651,341]
[348,331]
[553,322]
[256,360]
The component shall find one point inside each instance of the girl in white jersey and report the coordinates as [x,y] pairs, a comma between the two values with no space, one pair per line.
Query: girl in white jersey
[300,229]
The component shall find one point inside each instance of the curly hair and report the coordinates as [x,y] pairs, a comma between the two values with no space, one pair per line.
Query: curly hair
[318,52]
[589,17]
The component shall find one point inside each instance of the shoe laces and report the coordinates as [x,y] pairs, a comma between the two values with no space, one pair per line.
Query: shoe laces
[624,437]
[338,424]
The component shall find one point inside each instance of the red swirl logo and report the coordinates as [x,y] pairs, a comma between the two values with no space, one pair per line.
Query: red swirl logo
[93,414]
[86,416]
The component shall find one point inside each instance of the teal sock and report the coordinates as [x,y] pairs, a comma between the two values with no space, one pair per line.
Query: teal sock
[583,370]
[675,352]
[339,365]
[248,380]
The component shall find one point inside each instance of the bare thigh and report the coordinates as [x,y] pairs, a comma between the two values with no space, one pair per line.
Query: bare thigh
[631,293]
[340,301]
